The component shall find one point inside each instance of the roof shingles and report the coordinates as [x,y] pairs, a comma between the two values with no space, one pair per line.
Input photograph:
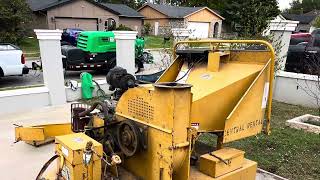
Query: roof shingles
[177,11]
[119,9]
[38,5]
[174,11]
[302,18]
[122,10]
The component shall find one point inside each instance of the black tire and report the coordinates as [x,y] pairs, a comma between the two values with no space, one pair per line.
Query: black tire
[111,63]
[1,72]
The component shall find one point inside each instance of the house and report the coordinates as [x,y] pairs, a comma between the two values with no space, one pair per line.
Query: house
[201,21]
[305,20]
[83,14]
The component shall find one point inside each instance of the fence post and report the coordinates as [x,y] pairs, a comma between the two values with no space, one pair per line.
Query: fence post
[50,51]
[282,29]
[125,44]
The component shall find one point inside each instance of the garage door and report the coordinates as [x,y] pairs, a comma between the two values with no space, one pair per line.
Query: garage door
[199,29]
[85,24]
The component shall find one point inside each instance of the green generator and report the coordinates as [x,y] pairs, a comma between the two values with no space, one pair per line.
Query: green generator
[97,50]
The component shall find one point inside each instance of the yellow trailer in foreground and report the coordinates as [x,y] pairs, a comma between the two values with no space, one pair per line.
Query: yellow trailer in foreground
[148,131]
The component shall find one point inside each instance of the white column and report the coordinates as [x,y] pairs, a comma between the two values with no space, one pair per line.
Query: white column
[156,28]
[50,51]
[125,44]
[220,29]
[282,30]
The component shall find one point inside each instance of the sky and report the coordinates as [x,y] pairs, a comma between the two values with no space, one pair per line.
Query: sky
[283,4]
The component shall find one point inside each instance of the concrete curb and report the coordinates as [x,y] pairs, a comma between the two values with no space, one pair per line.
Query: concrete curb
[269,176]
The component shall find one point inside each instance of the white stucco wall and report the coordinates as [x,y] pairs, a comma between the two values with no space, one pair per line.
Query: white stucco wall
[33,98]
[74,95]
[293,88]
[24,99]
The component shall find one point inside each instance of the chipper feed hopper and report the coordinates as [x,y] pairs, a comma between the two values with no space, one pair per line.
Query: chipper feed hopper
[148,131]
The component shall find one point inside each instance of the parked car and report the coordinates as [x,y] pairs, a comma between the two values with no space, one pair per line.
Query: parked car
[299,38]
[12,61]
[304,57]
[70,36]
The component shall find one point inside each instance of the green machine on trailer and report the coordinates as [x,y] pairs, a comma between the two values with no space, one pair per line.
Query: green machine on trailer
[96,50]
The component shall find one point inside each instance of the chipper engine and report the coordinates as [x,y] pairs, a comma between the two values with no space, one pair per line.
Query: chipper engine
[149,131]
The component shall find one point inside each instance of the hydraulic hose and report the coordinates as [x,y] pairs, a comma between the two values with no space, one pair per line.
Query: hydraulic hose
[105,109]
[46,165]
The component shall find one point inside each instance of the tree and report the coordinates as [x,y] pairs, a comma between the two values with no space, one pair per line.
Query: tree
[250,17]
[14,18]
[212,4]
[305,6]
[147,28]
[316,22]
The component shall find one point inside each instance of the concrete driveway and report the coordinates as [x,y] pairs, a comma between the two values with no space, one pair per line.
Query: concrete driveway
[19,160]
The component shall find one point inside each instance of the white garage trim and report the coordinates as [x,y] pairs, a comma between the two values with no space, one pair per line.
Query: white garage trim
[199,29]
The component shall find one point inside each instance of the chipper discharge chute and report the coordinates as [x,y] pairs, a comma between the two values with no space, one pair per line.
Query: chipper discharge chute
[148,131]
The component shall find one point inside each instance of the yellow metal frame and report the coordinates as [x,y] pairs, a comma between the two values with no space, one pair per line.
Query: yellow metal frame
[219,42]
[41,134]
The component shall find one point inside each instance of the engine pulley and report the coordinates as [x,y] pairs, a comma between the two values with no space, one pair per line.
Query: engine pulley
[129,137]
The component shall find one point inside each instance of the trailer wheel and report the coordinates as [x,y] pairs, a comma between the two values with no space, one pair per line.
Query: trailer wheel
[111,63]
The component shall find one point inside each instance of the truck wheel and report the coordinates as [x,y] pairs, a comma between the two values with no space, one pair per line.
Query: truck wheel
[1,72]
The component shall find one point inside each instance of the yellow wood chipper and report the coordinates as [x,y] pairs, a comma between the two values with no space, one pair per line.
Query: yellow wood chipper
[149,131]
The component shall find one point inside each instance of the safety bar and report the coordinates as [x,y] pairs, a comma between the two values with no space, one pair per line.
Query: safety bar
[271,76]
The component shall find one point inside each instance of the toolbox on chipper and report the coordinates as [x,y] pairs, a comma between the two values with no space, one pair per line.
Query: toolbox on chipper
[71,162]
[221,162]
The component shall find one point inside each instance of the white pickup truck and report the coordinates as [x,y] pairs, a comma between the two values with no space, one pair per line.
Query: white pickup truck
[12,61]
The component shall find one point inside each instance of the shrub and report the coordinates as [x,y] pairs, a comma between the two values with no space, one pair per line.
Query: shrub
[123,28]
[14,18]
[147,28]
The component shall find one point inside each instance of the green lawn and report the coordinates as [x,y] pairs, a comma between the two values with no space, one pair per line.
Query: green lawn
[30,46]
[152,42]
[288,152]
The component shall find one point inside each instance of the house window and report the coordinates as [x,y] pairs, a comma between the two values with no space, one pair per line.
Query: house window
[110,24]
